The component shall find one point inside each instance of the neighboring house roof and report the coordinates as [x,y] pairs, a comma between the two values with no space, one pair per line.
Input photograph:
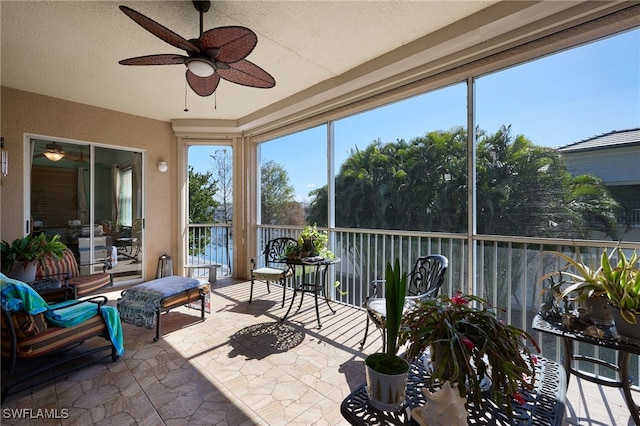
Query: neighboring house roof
[618,138]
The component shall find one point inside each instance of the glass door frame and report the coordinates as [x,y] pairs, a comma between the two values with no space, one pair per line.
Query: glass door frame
[27,181]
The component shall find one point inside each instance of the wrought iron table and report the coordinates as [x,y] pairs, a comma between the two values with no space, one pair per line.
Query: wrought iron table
[320,266]
[543,406]
[624,347]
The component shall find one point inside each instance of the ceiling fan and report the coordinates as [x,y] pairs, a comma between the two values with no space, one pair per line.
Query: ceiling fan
[55,152]
[217,53]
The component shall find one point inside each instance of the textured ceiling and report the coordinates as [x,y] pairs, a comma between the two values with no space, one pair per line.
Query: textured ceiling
[70,49]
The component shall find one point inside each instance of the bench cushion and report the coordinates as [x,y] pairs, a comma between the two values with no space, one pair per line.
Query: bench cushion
[88,284]
[139,304]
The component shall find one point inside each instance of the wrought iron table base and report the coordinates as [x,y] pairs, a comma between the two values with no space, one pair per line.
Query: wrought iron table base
[318,285]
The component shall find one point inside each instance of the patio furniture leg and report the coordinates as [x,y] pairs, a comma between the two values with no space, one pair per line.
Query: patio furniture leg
[293,298]
[315,295]
[624,359]
[284,291]
[326,292]
[366,333]
[155,339]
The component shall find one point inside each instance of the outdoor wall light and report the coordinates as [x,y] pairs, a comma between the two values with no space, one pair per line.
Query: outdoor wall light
[5,158]
[162,166]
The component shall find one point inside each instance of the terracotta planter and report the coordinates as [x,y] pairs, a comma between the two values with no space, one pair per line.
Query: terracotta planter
[386,392]
[625,328]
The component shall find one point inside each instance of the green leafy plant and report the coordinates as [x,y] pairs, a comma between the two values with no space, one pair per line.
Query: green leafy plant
[315,241]
[473,342]
[29,249]
[292,250]
[622,283]
[388,362]
[583,280]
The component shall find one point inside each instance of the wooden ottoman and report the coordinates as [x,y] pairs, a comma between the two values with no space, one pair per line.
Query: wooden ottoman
[141,305]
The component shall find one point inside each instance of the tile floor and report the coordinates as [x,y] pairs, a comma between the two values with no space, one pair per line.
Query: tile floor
[241,366]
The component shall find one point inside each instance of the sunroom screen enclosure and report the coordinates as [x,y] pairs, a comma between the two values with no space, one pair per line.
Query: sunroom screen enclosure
[472,170]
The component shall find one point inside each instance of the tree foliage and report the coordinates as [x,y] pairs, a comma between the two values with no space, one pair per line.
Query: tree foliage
[223,172]
[277,199]
[202,190]
[202,207]
[522,189]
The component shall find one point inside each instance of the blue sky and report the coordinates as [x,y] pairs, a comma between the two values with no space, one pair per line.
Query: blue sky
[554,101]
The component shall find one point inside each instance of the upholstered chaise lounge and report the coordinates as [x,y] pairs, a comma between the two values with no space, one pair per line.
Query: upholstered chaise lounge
[67,272]
[33,329]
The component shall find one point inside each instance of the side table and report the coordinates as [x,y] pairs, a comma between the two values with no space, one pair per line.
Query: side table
[609,340]
[543,406]
[320,266]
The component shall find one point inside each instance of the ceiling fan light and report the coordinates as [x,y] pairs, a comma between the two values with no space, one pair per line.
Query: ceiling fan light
[54,156]
[200,68]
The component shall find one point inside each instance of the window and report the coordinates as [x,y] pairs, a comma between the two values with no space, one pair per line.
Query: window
[125,198]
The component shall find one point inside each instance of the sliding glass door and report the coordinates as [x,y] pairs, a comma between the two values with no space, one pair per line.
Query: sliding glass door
[91,196]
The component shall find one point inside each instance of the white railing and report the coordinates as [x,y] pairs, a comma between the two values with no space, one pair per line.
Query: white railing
[211,243]
[508,271]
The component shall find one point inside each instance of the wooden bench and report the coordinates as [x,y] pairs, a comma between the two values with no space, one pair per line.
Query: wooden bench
[141,305]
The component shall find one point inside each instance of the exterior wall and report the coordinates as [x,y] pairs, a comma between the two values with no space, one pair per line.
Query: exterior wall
[30,113]
[616,166]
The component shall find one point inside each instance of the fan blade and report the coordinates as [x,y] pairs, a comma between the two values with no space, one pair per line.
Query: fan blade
[163,59]
[77,157]
[248,74]
[203,86]
[160,31]
[232,43]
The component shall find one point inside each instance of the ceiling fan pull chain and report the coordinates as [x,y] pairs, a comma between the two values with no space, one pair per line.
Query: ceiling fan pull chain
[185,97]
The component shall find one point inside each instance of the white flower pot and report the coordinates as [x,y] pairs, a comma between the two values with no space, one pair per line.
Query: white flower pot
[386,392]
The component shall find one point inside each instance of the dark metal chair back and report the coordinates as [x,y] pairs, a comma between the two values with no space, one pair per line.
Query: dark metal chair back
[274,250]
[427,276]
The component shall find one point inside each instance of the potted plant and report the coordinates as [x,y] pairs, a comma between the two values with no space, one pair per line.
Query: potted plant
[622,285]
[314,241]
[470,343]
[585,284]
[292,250]
[20,257]
[386,372]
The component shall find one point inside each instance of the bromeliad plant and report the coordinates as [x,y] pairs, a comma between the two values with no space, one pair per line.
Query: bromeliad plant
[388,362]
[622,283]
[472,342]
[583,280]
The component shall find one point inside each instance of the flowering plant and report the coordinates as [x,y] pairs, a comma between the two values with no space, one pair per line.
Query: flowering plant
[469,341]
